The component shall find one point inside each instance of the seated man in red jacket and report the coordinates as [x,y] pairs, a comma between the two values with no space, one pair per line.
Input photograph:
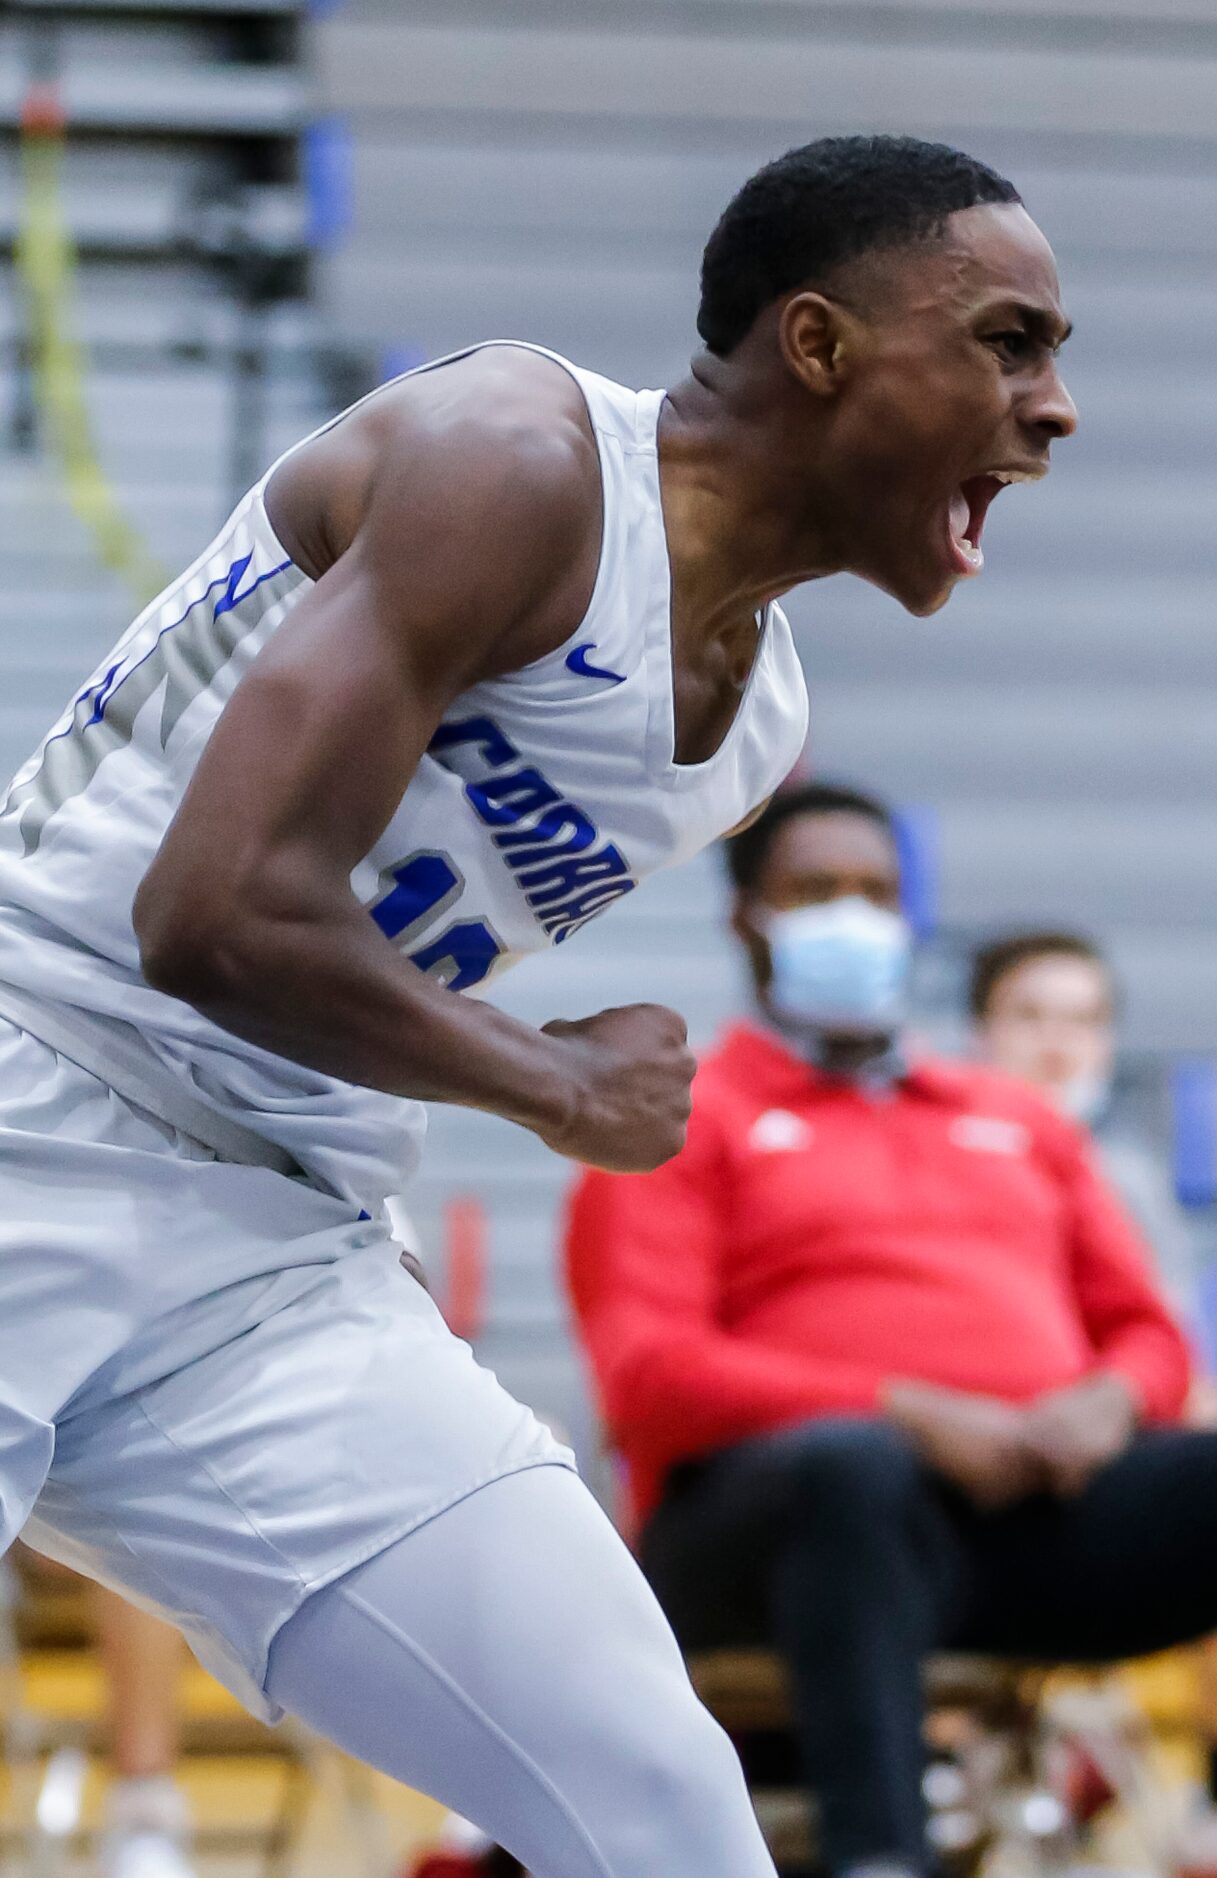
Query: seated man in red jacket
[882,1353]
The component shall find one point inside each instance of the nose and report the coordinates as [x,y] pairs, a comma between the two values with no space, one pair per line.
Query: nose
[1053,412]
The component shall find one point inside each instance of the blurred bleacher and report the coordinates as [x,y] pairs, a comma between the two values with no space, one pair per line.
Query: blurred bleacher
[185,187]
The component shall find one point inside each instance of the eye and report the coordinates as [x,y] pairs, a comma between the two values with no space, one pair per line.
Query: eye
[1015,345]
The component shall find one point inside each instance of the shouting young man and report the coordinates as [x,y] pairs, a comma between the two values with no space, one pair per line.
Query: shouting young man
[464,667]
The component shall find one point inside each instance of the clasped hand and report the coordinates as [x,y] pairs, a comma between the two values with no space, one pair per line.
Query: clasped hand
[1000,1452]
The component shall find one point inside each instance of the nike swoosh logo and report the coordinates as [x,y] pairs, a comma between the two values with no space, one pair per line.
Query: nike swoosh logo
[577,661]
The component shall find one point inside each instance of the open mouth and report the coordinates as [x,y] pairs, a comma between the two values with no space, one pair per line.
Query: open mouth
[969,506]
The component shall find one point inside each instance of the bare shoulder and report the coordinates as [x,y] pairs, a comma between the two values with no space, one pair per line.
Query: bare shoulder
[500,431]
[464,501]
[500,393]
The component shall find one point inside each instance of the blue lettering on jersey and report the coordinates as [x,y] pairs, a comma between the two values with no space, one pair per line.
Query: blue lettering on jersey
[565,872]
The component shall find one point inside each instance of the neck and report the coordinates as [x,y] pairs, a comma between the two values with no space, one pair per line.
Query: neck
[849,1056]
[840,1054]
[746,512]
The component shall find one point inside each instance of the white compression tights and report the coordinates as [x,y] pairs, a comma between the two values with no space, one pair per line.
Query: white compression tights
[509,1659]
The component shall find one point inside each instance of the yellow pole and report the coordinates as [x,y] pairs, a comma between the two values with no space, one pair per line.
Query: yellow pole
[46,264]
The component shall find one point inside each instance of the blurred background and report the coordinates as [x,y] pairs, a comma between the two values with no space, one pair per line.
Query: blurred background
[221,222]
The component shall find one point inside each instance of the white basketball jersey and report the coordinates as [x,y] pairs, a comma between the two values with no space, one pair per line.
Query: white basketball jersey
[545,796]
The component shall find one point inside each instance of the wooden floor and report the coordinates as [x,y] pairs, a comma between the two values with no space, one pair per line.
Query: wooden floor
[247,1785]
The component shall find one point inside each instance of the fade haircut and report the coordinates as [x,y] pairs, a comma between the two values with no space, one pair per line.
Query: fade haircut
[803,215]
[995,962]
[745,852]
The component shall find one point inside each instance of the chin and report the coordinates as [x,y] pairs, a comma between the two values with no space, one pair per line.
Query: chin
[920,603]
[919,599]
[930,594]
[922,608]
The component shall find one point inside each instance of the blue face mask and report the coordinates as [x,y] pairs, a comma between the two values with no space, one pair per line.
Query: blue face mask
[840,966]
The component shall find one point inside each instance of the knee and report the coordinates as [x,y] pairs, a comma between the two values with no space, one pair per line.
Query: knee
[688,1759]
[690,1798]
[846,1464]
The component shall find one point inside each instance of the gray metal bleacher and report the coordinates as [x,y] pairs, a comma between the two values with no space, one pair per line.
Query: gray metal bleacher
[175,113]
[550,171]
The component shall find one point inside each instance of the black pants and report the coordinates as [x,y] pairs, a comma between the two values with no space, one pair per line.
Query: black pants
[835,1545]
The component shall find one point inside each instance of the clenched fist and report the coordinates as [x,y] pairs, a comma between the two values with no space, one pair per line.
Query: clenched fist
[630,1070]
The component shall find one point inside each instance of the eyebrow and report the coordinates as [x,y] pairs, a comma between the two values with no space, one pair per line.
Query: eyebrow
[1043,326]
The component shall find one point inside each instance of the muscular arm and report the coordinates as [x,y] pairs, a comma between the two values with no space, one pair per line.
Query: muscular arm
[460,567]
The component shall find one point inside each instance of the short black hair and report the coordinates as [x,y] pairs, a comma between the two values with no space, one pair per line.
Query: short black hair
[804,214]
[995,961]
[745,852]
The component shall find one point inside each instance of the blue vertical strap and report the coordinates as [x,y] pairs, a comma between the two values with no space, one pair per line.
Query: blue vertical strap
[328,157]
[1194,1113]
[918,842]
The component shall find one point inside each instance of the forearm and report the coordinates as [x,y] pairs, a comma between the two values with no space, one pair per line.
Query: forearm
[325,989]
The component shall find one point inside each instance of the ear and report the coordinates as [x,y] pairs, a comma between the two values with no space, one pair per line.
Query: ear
[815,336]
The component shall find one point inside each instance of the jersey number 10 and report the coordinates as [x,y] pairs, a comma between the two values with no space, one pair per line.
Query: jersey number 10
[424,886]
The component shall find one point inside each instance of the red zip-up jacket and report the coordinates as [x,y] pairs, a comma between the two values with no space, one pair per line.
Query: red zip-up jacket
[814,1240]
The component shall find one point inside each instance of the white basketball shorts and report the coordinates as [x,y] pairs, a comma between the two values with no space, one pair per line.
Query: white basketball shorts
[219,1390]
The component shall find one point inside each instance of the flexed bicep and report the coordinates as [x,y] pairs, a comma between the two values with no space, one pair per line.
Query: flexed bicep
[460,553]
[247,911]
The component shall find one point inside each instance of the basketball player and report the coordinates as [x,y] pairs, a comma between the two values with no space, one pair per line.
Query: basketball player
[462,669]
